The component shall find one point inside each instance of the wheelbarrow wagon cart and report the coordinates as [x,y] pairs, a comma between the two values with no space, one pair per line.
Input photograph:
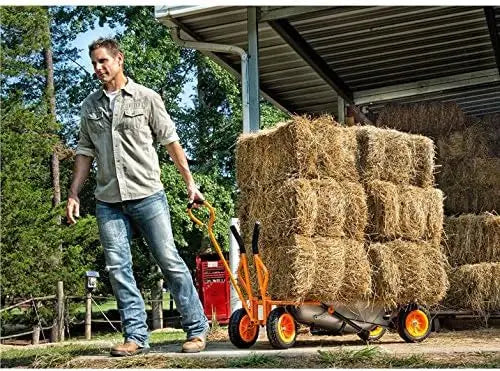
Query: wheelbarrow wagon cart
[281,317]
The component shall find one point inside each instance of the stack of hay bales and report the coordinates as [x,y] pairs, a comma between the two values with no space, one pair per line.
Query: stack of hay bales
[473,243]
[468,151]
[469,175]
[317,187]
[300,180]
[405,216]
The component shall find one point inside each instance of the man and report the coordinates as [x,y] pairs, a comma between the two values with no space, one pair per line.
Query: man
[118,125]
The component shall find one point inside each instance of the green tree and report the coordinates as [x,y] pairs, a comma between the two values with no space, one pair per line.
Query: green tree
[31,236]
[32,262]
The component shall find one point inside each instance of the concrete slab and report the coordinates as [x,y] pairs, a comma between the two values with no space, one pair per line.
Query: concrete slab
[390,344]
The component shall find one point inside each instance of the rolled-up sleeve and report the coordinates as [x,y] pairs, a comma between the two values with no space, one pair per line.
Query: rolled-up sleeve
[85,146]
[161,124]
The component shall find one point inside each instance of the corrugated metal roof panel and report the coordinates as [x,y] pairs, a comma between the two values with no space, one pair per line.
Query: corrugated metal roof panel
[367,47]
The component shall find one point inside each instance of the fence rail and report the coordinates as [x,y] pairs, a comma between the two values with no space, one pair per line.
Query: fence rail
[57,328]
[23,333]
[41,298]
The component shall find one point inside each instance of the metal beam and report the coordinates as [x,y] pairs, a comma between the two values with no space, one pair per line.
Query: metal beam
[182,10]
[489,13]
[309,55]
[292,37]
[190,35]
[272,13]
[426,86]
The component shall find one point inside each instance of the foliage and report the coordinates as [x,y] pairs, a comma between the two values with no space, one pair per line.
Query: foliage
[32,262]
[189,239]
[24,36]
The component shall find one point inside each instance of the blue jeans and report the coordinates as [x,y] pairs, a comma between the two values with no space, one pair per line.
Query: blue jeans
[152,217]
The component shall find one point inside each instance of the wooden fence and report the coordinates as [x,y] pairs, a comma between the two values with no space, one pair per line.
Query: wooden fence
[57,329]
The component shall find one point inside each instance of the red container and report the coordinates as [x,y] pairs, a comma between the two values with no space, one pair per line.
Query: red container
[212,282]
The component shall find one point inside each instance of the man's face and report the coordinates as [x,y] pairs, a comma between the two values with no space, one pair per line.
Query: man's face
[105,65]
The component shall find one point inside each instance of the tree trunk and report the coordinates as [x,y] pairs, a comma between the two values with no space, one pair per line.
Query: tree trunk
[51,100]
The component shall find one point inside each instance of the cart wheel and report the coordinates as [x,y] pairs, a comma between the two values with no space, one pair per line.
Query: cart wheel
[242,332]
[414,324]
[375,333]
[281,328]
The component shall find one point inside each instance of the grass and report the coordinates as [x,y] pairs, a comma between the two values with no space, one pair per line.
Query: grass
[59,355]
[368,357]
[256,361]
[48,357]
[344,358]
[372,357]
[66,356]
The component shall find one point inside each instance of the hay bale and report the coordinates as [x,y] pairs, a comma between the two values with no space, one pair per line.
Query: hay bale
[357,273]
[474,287]
[492,124]
[300,148]
[432,119]
[477,140]
[470,186]
[405,272]
[405,211]
[468,199]
[325,208]
[386,279]
[494,302]
[472,239]
[329,269]
[341,210]
[397,157]
[292,267]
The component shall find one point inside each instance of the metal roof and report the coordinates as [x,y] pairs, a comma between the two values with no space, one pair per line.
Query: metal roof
[371,55]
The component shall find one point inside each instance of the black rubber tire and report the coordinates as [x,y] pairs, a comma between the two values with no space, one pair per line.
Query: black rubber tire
[234,330]
[272,329]
[372,338]
[403,332]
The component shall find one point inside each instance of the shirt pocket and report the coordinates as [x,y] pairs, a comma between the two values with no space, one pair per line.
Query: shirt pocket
[134,118]
[96,122]
[135,124]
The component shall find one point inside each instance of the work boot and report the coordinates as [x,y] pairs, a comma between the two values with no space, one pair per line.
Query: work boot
[129,348]
[194,345]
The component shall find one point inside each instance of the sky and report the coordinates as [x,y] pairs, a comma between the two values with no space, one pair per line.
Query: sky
[83,40]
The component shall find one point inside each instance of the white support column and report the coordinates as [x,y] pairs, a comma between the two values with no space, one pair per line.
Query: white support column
[253,69]
[234,260]
[340,109]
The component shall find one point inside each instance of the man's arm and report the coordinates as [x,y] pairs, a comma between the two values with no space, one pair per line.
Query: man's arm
[80,174]
[179,157]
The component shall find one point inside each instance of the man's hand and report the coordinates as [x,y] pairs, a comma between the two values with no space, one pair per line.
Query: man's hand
[194,194]
[72,209]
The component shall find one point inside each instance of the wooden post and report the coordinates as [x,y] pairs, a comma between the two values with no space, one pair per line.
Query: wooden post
[60,311]
[36,335]
[53,330]
[88,317]
[157,304]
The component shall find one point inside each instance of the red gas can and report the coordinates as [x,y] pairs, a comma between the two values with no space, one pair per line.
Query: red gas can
[213,282]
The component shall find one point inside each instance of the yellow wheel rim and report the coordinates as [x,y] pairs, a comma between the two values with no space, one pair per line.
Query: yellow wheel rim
[247,329]
[417,323]
[376,331]
[286,328]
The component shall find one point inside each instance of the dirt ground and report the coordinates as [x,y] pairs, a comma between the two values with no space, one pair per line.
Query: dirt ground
[478,348]
[450,349]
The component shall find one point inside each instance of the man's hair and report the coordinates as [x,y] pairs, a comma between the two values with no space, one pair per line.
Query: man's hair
[111,46]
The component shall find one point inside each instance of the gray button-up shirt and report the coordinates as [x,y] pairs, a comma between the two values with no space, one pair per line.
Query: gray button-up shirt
[122,141]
